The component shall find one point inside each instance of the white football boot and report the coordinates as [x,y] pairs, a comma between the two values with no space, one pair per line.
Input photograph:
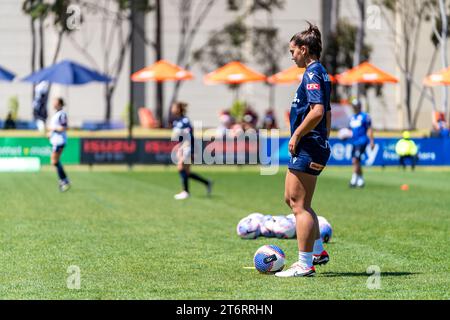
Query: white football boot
[296,270]
[182,195]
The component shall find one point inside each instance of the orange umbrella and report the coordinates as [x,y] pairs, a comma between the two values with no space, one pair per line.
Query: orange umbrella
[365,73]
[161,70]
[234,73]
[292,74]
[437,79]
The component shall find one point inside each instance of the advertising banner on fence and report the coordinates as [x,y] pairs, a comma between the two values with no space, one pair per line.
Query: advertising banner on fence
[124,151]
[432,151]
[159,151]
[38,148]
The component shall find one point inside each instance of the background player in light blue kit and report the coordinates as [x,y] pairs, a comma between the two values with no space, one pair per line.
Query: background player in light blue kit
[362,135]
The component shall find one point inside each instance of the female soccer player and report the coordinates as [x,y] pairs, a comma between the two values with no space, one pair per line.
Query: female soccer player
[183,129]
[310,121]
[58,139]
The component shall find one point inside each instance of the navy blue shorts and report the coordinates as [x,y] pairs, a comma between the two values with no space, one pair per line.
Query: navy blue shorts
[358,151]
[309,163]
[58,148]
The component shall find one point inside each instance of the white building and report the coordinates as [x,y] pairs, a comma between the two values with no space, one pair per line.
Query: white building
[87,102]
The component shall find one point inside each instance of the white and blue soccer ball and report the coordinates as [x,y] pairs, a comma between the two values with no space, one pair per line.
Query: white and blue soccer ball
[256,215]
[267,226]
[283,228]
[344,134]
[269,259]
[325,229]
[291,217]
[322,219]
[248,228]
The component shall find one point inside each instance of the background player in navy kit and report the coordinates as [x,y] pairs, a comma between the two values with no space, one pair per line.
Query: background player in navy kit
[58,140]
[362,135]
[310,121]
[183,129]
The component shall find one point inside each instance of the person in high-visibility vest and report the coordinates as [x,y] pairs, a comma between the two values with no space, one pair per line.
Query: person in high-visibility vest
[407,149]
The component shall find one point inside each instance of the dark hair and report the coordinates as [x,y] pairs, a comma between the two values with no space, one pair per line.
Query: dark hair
[61,102]
[311,38]
[182,106]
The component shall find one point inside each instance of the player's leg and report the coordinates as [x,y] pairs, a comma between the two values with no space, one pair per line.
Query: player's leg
[206,182]
[360,178]
[402,162]
[64,184]
[356,166]
[320,255]
[414,162]
[183,171]
[299,190]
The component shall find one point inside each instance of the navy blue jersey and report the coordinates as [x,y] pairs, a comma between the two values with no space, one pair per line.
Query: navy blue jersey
[314,89]
[183,128]
[360,123]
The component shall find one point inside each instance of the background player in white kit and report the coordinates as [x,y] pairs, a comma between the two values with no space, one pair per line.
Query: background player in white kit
[58,139]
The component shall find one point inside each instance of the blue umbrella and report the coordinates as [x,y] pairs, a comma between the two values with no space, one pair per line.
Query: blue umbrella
[6,75]
[67,72]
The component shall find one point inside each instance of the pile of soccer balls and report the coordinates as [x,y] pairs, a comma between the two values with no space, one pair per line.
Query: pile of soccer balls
[280,226]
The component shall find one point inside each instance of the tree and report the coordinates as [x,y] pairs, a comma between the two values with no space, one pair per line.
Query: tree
[223,46]
[37,11]
[266,52]
[40,11]
[440,24]
[339,53]
[409,16]
[115,17]
[359,43]
[192,14]
[234,40]
[437,35]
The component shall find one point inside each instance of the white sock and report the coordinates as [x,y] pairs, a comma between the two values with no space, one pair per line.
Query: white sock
[354,178]
[318,247]
[305,259]
[360,181]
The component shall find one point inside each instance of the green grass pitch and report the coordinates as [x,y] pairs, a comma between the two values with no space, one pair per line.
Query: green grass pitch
[131,240]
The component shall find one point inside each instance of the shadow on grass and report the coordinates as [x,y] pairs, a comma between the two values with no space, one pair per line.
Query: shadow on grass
[211,197]
[364,274]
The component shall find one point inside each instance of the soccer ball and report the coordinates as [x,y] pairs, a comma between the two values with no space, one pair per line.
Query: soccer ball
[291,217]
[269,259]
[322,219]
[256,215]
[345,133]
[248,228]
[283,228]
[325,229]
[267,226]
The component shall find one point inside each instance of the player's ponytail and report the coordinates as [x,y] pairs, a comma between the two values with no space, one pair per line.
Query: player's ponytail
[311,38]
